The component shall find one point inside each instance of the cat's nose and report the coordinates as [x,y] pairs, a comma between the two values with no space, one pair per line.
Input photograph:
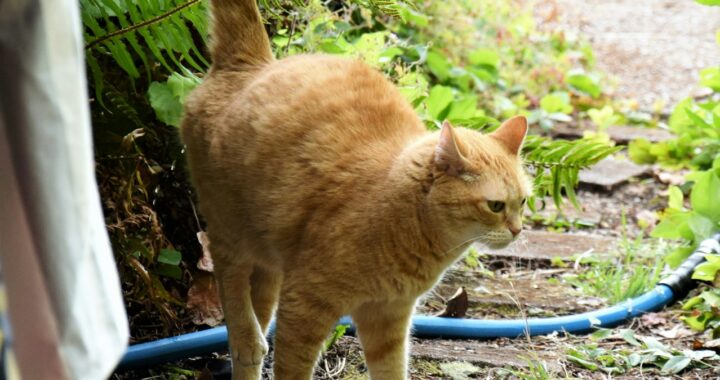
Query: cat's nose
[515,231]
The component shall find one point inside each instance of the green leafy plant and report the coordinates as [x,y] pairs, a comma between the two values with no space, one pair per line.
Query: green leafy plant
[338,333]
[536,370]
[697,223]
[635,271]
[696,124]
[167,98]
[643,351]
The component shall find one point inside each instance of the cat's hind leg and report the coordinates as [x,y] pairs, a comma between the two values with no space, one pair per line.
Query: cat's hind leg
[265,291]
[383,328]
[245,337]
[304,320]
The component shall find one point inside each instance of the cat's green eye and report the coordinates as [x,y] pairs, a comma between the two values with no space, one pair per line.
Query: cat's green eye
[496,206]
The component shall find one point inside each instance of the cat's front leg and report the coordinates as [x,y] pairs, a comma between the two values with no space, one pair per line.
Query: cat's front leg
[384,328]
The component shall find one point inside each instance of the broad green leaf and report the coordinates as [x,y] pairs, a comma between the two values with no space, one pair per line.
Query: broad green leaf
[697,119]
[556,102]
[705,195]
[601,334]
[412,16]
[587,83]
[700,354]
[169,256]
[676,364]
[679,120]
[675,198]
[707,270]
[711,297]
[332,47]
[483,56]
[167,106]
[369,47]
[653,344]
[463,109]
[583,362]
[709,2]
[629,336]
[677,256]
[639,151]
[697,322]
[439,101]
[692,302]
[413,86]
[634,359]
[701,227]
[710,77]
[674,226]
[388,54]
[182,85]
[167,270]
[604,117]
[438,65]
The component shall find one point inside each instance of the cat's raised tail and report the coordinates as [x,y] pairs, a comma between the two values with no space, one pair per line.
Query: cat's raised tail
[238,37]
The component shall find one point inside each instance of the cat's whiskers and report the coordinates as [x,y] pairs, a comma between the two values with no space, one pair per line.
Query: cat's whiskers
[463,243]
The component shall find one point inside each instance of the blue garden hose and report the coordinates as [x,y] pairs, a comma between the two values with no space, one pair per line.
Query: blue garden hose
[672,288]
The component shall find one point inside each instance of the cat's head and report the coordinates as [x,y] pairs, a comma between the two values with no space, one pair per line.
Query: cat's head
[479,186]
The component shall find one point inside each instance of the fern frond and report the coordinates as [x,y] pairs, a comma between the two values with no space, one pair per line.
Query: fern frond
[557,163]
[138,33]
[141,24]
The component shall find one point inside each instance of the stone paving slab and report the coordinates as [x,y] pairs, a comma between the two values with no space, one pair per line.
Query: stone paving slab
[567,212]
[545,245]
[622,134]
[488,354]
[535,296]
[611,172]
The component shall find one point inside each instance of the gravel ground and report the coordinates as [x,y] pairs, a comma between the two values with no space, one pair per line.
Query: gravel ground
[655,48]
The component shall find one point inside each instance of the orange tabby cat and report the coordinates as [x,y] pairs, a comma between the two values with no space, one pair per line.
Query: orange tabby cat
[324,194]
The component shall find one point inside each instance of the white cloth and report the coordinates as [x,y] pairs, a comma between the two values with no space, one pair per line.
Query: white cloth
[56,257]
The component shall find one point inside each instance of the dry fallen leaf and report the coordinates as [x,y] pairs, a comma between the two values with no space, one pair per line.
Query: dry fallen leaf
[457,305]
[205,374]
[204,300]
[679,331]
[711,344]
[698,345]
[653,319]
[670,178]
[206,262]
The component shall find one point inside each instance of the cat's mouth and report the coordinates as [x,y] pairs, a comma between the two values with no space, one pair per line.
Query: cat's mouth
[497,244]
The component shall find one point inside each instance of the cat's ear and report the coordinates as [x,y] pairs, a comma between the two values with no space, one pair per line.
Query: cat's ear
[448,156]
[512,133]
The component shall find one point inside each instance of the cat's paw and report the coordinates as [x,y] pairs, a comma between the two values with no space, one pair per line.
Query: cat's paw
[251,352]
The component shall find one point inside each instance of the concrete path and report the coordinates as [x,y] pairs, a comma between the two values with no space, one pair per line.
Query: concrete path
[655,48]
